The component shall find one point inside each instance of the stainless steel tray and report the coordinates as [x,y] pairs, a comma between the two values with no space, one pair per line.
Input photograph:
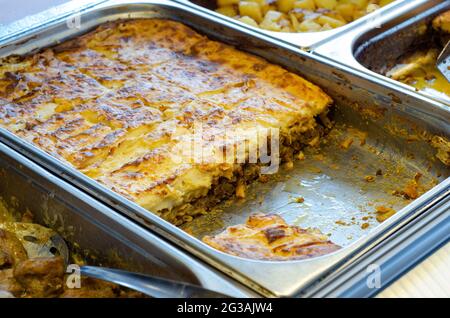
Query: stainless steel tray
[304,40]
[365,48]
[95,232]
[389,116]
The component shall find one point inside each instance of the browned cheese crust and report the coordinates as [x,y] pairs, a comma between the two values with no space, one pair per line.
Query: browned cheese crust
[269,237]
[118,102]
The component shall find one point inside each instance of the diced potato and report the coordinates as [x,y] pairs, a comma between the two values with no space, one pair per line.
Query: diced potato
[361,4]
[359,14]
[248,21]
[251,9]
[309,26]
[263,4]
[274,16]
[260,2]
[299,14]
[326,4]
[271,20]
[285,5]
[335,15]
[278,15]
[284,21]
[223,3]
[269,7]
[372,7]
[294,21]
[229,11]
[383,3]
[305,4]
[326,27]
[347,10]
[271,26]
[334,23]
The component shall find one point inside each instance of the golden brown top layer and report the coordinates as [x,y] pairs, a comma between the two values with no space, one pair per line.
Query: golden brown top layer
[269,237]
[117,102]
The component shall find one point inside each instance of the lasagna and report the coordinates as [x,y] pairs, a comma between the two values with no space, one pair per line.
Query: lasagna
[269,237]
[123,103]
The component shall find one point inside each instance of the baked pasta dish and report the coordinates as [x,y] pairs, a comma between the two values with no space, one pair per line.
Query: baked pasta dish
[297,15]
[124,102]
[269,237]
[418,68]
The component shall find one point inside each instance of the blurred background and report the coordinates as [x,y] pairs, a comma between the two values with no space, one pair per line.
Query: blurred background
[11,10]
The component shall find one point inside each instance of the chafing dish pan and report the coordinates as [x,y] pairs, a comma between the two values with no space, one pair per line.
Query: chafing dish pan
[306,39]
[94,232]
[375,50]
[398,124]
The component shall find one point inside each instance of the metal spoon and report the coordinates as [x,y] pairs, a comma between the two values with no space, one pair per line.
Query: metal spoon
[443,62]
[40,241]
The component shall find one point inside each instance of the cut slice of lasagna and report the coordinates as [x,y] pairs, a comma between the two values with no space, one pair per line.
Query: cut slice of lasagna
[269,237]
[156,112]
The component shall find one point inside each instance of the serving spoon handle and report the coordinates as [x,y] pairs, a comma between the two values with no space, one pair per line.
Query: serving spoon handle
[40,241]
[443,62]
[149,285]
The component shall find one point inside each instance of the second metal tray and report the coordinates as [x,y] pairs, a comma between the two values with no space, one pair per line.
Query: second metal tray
[369,49]
[305,40]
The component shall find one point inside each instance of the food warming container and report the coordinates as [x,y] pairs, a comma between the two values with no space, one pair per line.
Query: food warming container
[370,49]
[390,116]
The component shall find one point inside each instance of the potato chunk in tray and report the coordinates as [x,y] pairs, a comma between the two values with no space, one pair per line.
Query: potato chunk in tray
[298,15]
